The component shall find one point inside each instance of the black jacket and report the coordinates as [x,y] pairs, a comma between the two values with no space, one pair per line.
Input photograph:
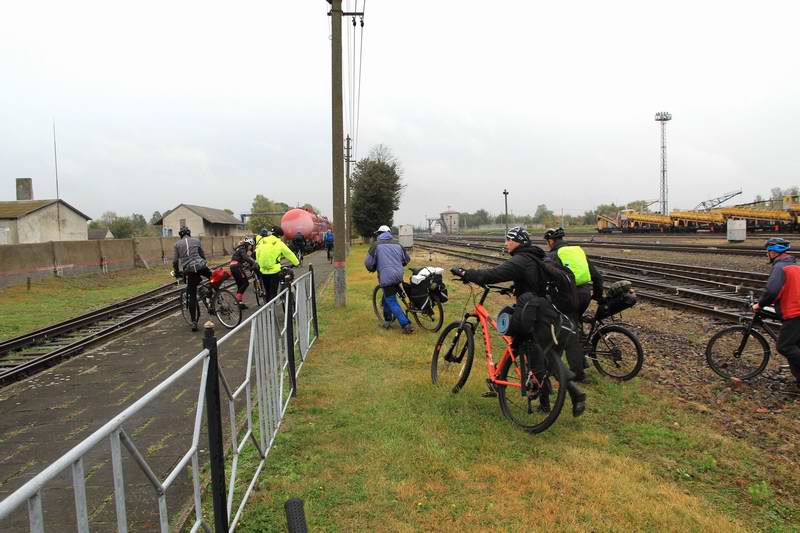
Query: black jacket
[522,269]
[240,255]
[597,277]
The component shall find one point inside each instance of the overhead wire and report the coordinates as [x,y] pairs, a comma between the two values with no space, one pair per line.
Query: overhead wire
[360,62]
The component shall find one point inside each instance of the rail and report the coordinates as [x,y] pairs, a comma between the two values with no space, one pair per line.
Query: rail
[279,331]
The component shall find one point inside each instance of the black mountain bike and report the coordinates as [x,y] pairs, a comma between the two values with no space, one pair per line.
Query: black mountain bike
[741,351]
[429,315]
[613,348]
[217,302]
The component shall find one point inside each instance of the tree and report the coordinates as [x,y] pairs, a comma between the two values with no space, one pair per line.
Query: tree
[376,190]
[229,211]
[122,228]
[639,205]
[544,216]
[776,195]
[139,225]
[262,204]
[155,218]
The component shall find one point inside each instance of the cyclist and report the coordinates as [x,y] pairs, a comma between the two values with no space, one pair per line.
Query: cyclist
[329,244]
[783,289]
[524,270]
[589,285]
[270,251]
[388,258]
[241,259]
[299,244]
[189,261]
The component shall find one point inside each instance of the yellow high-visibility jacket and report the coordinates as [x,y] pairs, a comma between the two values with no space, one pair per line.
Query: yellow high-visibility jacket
[270,251]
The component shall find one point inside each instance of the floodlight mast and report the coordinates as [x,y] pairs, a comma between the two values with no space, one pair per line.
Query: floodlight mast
[663,117]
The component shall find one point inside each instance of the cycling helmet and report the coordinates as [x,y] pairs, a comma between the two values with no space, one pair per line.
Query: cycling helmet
[518,234]
[250,241]
[554,234]
[184,231]
[277,231]
[777,244]
[263,232]
[384,229]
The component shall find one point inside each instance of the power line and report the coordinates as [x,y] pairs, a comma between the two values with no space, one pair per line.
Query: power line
[360,62]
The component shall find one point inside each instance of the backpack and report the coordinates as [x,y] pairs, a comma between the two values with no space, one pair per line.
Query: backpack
[559,285]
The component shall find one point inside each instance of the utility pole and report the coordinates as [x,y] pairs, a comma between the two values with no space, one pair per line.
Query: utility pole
[58,195]
[337,123]
[505,196]
[349,224]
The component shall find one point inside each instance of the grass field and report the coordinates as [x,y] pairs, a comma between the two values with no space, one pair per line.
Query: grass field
[371,445]
[57,299]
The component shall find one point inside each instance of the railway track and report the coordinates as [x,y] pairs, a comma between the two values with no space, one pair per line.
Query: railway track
[718,292]
[723,249]
[24,355]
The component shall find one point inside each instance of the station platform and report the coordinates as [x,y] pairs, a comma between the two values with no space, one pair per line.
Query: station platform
[48,414]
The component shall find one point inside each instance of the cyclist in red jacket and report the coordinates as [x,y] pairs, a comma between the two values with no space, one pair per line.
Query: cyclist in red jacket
[783,289]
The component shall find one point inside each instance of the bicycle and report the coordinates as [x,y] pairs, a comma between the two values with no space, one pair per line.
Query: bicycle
[429,316]
[217,302]
[258,287]
[611,347]
[730,352]
[539,401]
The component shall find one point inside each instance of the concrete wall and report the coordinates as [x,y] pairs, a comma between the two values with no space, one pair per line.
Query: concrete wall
[42,226]
[8,232]
[193,221]
[72,258]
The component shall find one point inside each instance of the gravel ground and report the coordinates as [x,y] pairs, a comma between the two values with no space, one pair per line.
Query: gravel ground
[763,412]
[733,262]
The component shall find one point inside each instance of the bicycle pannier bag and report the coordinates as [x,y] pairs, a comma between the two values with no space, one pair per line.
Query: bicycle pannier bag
[438,288]
[218,276]
[418,294]
[616,304]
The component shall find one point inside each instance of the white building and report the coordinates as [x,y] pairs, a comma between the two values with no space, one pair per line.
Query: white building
[201,221]
[450,221]
[29,221]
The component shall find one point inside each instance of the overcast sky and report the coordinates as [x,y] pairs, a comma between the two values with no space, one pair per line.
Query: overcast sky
[211,103]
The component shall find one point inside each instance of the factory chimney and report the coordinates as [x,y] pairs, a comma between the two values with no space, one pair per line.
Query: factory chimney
[24,189]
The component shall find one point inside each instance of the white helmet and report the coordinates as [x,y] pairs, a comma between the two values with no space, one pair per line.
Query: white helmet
[384,229]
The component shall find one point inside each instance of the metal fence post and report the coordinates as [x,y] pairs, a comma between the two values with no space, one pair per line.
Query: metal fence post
[290,338]
[314,300]
[214,419]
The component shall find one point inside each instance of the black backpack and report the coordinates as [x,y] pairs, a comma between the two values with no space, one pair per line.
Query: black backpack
[559,285]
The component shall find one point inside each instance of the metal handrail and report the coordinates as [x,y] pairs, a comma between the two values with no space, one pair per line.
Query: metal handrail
[266,359]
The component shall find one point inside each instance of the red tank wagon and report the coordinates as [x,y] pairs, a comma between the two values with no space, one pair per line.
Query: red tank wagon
[311,225]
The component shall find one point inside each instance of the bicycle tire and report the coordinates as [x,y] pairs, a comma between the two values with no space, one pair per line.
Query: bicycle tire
[510,400]
[226,308]
[187,317]
[377,306]
[603,365]
[441,369]
[731,338]
[433,321]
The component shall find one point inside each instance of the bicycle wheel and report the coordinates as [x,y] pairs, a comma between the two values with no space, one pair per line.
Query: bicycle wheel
[185,308]
[540,408]
[616,352]
[730,354]
[377,305]
[431,319]
[227,309]
[452,356]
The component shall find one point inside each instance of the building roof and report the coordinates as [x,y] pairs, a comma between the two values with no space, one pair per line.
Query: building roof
[15,209]
[209,214]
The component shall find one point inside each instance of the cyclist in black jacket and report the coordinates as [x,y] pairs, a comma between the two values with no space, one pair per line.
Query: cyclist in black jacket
[524,270]
[189,261]
[241,259]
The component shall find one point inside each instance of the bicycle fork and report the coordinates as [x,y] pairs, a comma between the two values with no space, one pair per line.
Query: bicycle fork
[745,337]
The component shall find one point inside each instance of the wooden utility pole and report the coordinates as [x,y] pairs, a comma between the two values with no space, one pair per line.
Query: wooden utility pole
[349,206]
[337,123]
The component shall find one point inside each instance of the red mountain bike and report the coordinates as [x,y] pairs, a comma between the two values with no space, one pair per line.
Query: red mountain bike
[533,403]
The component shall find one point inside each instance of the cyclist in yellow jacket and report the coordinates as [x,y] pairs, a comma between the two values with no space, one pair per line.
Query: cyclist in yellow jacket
[589,283]
[269,252]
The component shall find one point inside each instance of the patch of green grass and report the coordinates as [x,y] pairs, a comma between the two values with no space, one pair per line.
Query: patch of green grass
[370,444]
[58,299]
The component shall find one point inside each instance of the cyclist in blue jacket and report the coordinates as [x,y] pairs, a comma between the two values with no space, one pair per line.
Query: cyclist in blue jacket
[388,258]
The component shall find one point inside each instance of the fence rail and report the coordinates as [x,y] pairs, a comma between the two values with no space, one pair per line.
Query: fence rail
[280,335]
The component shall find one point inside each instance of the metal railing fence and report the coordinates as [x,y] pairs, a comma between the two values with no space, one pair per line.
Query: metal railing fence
[276,330]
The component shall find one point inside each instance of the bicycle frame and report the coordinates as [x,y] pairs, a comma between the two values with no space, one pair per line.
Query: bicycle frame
[492,369]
